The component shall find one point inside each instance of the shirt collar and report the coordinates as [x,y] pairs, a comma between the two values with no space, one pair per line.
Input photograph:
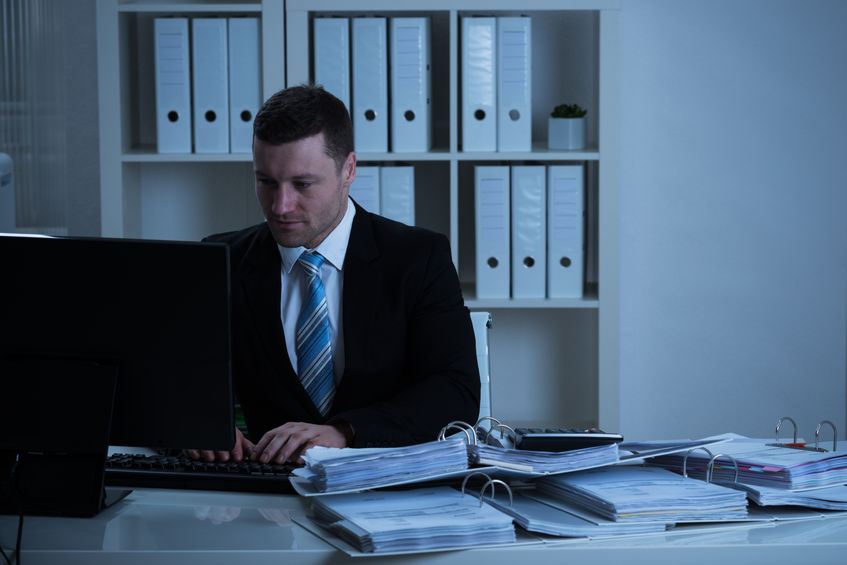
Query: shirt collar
[333,247]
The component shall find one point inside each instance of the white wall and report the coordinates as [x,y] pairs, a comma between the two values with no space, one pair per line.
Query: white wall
[734,216]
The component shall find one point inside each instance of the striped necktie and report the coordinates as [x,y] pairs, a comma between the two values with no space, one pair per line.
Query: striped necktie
[314,351]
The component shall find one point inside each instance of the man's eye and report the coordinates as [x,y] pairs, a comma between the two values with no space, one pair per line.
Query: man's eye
[302,185]
[264,181]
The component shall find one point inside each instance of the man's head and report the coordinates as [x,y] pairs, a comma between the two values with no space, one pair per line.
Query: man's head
[304,164]
[303,111]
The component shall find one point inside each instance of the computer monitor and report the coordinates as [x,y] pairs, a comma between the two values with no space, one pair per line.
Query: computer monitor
[133,335]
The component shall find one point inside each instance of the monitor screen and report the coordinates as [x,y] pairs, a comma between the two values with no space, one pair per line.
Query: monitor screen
[156,312]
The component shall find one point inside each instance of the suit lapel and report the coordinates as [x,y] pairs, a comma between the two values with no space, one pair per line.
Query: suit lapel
[361,290]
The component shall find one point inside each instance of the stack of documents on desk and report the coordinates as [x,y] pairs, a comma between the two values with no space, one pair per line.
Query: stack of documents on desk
[638,493]
[541,513]
[330,469]
[826,498]
[544,462]
[765,465]
[412,520]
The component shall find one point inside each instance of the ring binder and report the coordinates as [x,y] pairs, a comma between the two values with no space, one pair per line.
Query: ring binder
[469,431]
[802,445]
[711,466]
[685,460]
[486,435]
[834,435]
[491,482]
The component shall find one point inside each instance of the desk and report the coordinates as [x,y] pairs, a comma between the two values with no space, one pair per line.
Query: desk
[166,526]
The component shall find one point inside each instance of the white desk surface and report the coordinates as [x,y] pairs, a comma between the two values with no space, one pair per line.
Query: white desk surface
[178,526]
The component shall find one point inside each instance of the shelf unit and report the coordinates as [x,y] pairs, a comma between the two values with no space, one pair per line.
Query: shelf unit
[553,361]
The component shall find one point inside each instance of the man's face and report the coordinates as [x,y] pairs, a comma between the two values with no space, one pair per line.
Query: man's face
[302,194]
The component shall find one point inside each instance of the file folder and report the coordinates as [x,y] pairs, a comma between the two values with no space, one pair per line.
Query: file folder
[365,188]
[411,124]
[244,82]
[529,231]
[514,84]
[479,84]
[481,321]
[173,85]
[565,230]
[370,85]
[397,194]
[491,193]
[332,56]
[211,85]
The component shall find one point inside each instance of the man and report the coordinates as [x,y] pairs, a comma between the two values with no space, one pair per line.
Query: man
[402,362]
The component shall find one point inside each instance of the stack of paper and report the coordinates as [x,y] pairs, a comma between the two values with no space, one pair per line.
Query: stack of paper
[826,498]
[330,469]
[412,520]
[638,493]
[545,462]
[765,465]
[538,512]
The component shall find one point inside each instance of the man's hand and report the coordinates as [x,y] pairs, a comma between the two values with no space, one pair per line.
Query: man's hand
[243,449]
[291,440]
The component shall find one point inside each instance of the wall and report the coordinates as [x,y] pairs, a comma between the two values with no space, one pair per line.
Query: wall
[734,199]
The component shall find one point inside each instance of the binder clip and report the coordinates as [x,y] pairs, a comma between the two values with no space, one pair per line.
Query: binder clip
[488,437]
[802,445]
[491,482]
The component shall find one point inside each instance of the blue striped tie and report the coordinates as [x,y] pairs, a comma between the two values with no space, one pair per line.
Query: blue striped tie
[314,352]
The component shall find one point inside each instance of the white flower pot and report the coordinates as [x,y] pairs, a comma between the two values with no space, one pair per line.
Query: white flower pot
[566,133]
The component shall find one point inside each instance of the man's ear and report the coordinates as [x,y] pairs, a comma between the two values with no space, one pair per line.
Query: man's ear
[348,170]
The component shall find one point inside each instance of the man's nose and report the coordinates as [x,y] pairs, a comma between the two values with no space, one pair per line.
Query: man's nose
[285,200]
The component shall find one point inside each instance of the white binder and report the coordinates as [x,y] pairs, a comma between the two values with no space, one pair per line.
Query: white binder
[481,322]
[565,229]
[210,85]
[365,188]
[173,85]
[514,84]
[370,85]
[244,82]
[491,193]
[397,194]
[411,123]
[529,231]
[479,84]
[332,56]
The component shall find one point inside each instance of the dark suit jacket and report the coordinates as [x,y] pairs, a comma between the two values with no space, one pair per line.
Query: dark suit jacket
[409,352]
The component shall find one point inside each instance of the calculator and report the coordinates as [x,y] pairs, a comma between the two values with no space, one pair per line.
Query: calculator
[562,439]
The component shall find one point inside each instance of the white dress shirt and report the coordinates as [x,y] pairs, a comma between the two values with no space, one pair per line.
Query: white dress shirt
[294,287]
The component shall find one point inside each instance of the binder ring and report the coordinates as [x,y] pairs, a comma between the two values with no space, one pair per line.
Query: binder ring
[502,427]
[793,423]
[834,435]
[479,422]
[493,482]
[712,464]
[465,480]
[685,460]
[470,433]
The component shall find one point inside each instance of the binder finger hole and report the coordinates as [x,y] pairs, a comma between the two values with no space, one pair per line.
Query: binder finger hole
[246,115]
[528,261]
[173,116]
[514,115]
[479,115]
[409,115]
[565,261]
[492,262]
[370,115]
[210,116]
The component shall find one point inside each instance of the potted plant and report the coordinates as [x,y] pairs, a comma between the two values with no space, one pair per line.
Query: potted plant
[566,127]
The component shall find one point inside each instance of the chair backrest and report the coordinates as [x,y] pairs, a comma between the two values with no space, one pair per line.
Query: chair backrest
[481,322]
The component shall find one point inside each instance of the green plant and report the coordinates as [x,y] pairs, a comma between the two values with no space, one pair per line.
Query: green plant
[568,111]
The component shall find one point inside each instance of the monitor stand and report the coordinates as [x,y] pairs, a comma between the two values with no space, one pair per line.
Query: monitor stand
[61,413]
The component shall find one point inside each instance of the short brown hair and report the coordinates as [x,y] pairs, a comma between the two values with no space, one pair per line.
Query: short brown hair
[302,111]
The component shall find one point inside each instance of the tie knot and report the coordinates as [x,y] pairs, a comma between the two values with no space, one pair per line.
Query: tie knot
[311,261]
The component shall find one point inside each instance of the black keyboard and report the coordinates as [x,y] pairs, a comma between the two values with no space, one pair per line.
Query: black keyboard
[181,472]
[562,439]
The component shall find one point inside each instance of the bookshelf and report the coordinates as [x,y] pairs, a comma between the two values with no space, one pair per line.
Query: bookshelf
[553,361]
